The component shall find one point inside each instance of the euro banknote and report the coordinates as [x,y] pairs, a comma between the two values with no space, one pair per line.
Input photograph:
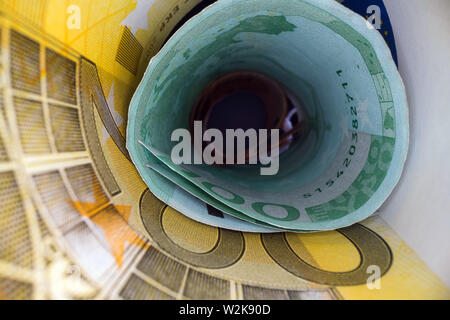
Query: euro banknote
[79,222]
[353,156]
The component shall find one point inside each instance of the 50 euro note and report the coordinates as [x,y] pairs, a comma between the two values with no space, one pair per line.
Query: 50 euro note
[77,220]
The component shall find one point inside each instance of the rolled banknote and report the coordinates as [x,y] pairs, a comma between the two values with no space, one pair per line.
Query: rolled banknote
[330,168]
[77,220]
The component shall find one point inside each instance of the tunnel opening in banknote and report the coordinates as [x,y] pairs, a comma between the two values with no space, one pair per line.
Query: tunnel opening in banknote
[344,80]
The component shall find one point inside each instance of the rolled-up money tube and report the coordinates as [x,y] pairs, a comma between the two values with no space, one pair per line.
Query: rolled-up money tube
[322,55]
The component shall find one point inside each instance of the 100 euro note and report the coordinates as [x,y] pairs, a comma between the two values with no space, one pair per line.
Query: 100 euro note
[78,221]
[318,185]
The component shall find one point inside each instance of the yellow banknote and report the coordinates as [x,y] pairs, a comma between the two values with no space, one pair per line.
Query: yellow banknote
[78,222]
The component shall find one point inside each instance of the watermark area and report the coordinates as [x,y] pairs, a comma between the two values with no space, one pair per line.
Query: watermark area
[236,147]
[374,280]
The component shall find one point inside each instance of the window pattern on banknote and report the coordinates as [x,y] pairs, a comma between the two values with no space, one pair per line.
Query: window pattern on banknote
[129,51]
[13,289]
[46,160]
[137,289]
[15,246]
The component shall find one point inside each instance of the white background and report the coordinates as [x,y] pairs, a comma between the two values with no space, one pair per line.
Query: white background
[419,208]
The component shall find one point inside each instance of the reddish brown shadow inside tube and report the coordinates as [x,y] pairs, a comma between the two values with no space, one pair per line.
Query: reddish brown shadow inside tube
[247,100]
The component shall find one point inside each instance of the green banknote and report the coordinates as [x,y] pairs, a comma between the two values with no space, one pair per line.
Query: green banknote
[184,196]
[355,98]
[188,203]
[77,220]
